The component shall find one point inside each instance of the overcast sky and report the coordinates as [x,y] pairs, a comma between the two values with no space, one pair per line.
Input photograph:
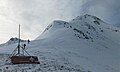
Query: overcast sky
[35,15]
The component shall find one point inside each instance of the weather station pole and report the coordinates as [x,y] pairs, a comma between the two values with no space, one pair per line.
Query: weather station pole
[19,41]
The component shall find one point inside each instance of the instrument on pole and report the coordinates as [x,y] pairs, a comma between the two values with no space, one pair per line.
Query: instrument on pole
[18,58]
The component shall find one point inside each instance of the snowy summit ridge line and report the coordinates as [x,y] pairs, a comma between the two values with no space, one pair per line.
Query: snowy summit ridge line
[84,44]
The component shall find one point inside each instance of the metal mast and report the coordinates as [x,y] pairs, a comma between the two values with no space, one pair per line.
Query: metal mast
[19,41]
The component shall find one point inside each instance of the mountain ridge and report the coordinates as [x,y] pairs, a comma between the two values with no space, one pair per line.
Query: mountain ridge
[86,31]
[84,44]
[12,41]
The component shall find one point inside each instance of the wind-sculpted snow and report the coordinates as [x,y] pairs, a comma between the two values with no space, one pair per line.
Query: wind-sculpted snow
[84,44]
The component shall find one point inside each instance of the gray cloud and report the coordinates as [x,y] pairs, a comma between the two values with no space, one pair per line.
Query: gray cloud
[108,10]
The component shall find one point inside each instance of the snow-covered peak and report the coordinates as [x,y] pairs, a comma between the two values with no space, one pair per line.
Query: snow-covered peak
[88,25]
[87,16]
[13,41]
[94,41]
[56,25]
[84,18]
[87,20]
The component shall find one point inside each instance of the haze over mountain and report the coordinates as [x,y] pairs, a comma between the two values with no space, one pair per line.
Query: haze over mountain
[84,44]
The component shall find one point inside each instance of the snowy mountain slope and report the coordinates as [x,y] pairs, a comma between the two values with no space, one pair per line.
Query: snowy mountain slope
[84,44]
[88,37]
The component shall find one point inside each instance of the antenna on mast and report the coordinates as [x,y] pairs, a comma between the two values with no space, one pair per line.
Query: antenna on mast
[19,41]
[17,58]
